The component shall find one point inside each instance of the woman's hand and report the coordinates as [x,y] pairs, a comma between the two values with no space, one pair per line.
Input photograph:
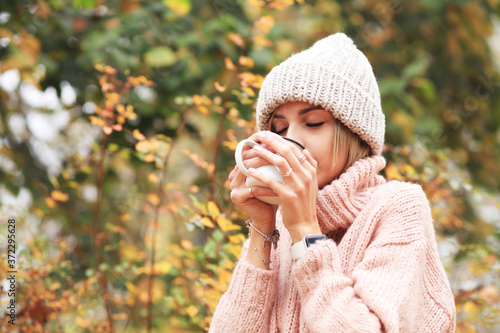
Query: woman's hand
[262,214]
[299,191]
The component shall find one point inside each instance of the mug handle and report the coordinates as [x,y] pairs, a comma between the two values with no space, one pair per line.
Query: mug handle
[239,151]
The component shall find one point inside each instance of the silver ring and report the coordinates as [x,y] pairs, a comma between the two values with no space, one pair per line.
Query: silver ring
[288,173]
[302,158]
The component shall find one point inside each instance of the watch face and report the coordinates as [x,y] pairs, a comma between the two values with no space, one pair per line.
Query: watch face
[311,239]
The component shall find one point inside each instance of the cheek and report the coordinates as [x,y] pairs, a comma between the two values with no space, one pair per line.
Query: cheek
[327,168]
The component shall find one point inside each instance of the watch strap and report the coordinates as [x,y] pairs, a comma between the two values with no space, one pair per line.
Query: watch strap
[299,248]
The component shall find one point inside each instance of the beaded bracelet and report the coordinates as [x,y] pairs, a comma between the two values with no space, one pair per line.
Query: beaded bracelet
[274,238]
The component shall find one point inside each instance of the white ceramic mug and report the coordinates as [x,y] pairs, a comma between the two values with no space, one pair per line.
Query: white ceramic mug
[268,170]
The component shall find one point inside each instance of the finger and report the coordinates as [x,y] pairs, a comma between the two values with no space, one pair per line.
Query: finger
[232,174]
[310,159]
[289,151]
[279,161]
[255,162]
[242,195]
[237,179]
[258,191]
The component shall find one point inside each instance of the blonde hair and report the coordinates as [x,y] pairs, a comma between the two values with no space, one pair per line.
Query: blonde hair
[349,144]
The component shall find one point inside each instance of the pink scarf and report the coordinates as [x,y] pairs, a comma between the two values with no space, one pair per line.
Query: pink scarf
[339,203]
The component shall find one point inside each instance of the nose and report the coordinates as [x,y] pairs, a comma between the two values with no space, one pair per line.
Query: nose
[292,140]
[293,134]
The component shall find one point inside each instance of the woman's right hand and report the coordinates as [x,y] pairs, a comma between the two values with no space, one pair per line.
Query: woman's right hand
[262,214]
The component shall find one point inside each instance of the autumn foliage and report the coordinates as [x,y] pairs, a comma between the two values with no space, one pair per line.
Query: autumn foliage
[119,122]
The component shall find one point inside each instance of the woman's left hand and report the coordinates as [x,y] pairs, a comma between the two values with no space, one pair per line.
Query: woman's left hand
[299,191]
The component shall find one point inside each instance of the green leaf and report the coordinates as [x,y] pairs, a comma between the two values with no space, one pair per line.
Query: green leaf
[87,4]
[160,56]
[416,68]
[426,88]
[391,86]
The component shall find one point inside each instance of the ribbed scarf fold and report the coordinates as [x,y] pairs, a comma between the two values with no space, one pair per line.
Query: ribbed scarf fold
[339,203]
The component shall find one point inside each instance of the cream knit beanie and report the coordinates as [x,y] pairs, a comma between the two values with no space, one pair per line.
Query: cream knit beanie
[334,75]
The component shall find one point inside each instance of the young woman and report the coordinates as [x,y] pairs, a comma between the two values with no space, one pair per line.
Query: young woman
[355,253]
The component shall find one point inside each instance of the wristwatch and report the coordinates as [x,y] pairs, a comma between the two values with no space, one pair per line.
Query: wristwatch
[299,248]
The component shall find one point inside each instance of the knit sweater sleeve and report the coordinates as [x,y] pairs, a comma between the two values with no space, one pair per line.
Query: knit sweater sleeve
[386,288]
[246,305]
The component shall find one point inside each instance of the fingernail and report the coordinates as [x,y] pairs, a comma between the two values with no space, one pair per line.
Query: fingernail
[257,148]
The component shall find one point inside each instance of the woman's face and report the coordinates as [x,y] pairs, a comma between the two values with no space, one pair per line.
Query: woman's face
[312,127]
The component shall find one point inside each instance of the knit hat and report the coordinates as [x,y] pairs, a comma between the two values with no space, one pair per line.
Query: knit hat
[334,75]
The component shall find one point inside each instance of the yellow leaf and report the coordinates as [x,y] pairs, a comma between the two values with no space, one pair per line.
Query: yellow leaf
[149,157]
[219,87]
[192,311]
[125,217]
[203,109]
[59,196]
[235,250]
[153,198]
[172,186]
[229,64]
[63,245]
[226,225]
[97,121]
[265,23]
[246,61]
[233,113]
[236,38]
[392,172]
[188,245]
[81,322]
[143,270]
[409,169]
[138,135]
[281,4]
[471,310]
[230,144]
[236,239]
[50,202]
[180,7]
[261,42]
[55,286]
[133,289]
[120,316]
[249,91]
[163,267]
[213,210]
[257,4]
[207,222]
[153,178]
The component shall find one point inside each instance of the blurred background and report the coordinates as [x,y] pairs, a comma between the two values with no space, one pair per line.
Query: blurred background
[118,122]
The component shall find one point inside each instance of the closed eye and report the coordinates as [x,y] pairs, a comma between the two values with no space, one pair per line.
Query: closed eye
[273,129]
[315,124]
[281,131]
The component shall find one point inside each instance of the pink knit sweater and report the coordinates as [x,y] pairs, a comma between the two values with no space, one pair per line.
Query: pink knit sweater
[379,271]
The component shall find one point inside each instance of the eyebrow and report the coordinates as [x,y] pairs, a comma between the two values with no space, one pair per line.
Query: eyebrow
[301,112]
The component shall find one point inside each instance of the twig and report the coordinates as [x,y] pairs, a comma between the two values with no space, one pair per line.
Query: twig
[220,126]
[97,229]
[180,128]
